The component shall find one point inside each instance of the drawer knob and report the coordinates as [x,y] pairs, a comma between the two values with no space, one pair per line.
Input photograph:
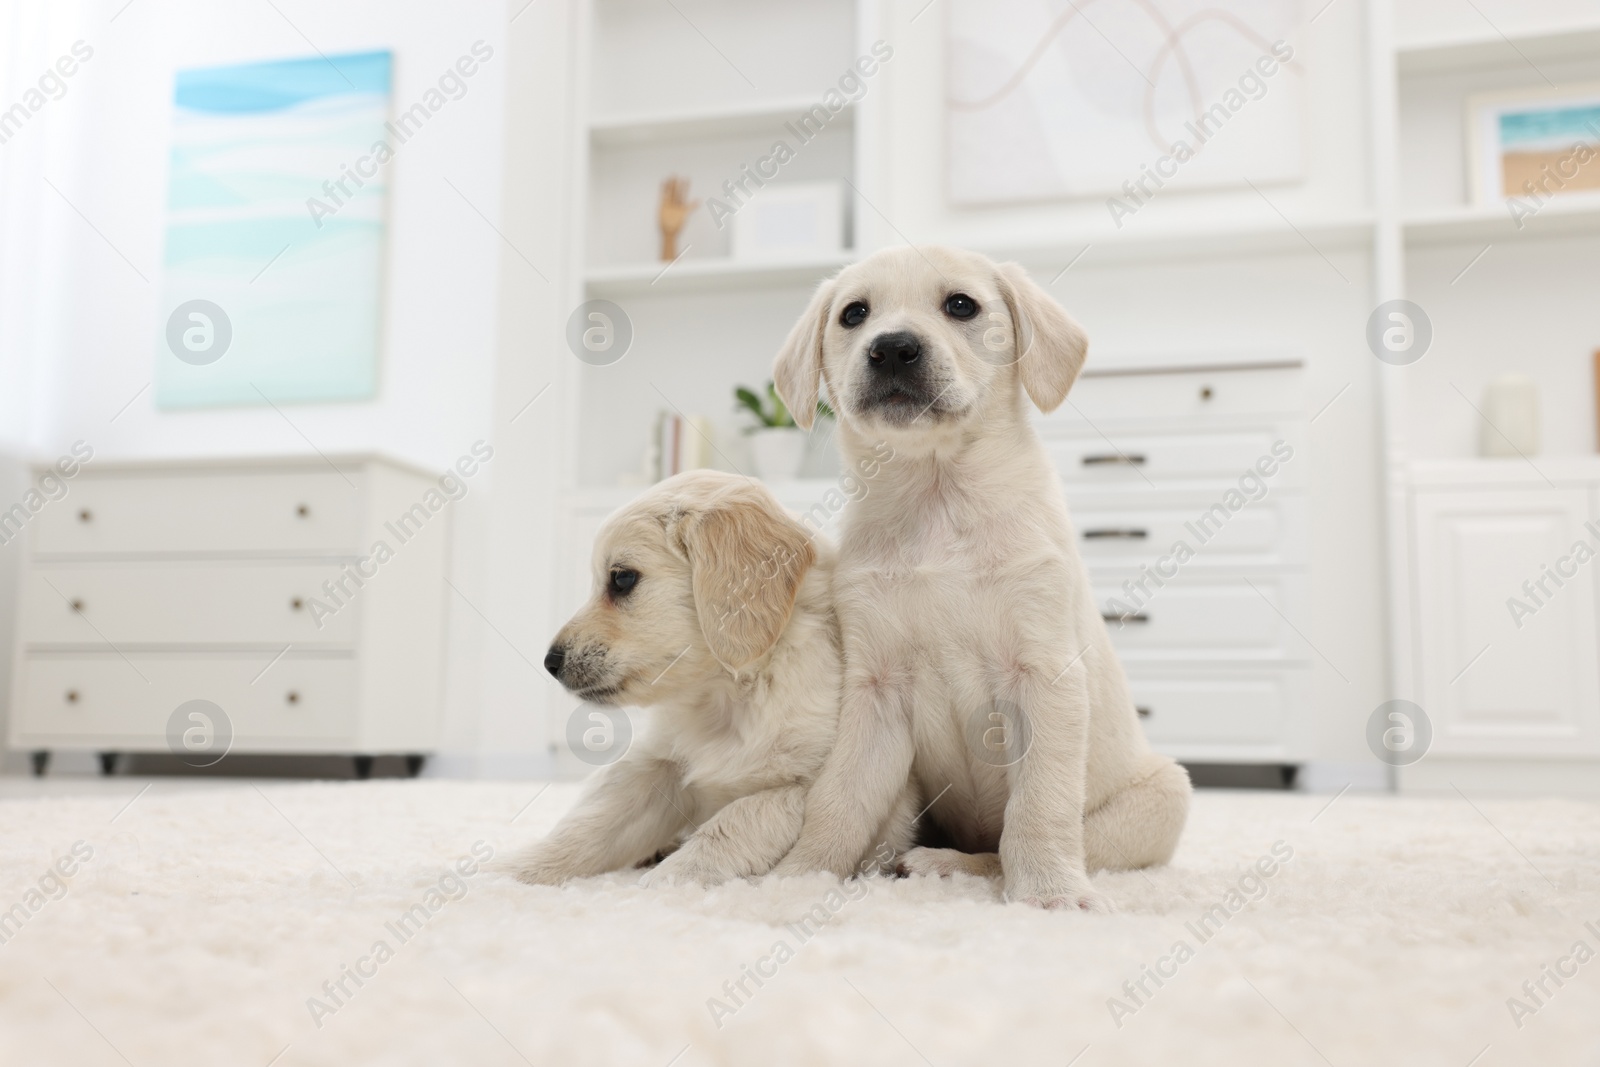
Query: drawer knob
[1103,459]
[1144,713]
[77,605]
[1126,616]
[72,696]
[303,511]
[296,604]
[84,515]
[1132,534]
[1205,392]
[293,696]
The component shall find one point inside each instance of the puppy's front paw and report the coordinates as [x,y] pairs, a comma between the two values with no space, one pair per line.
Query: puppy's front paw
[681,868]
[802,860]
[1070,894]
[1090,901]
[790,866]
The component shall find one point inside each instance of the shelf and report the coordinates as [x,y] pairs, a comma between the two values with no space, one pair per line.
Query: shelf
[1150,244]
[1512,470]
[1561,217]
[707,275]
[734,120]
[792,493]
[1493,50]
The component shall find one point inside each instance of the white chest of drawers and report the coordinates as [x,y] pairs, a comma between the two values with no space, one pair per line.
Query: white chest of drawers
[1152,457]
[305,598]
[1147,455]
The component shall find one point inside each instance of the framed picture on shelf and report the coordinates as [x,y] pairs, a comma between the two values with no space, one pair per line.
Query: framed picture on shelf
[1533,143]
[792,221]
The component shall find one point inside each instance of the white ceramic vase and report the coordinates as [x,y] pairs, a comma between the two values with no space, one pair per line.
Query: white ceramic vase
[1510,417]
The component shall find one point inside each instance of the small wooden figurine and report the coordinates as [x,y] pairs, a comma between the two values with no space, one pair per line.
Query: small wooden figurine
[675,210]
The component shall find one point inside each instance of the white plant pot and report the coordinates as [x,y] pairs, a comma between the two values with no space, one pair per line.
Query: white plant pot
[778,453]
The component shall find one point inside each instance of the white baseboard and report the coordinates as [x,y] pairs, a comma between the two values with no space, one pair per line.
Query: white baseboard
[493,766]
[1329,776]
[1578,778]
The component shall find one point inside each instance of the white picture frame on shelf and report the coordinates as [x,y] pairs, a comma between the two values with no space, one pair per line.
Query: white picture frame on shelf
[788,222]
[1543,136]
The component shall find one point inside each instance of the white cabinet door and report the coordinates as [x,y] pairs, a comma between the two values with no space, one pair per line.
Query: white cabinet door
[1509,659]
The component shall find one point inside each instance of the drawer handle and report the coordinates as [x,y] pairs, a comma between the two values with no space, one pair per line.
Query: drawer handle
[72,696]
[1144,713]
[296,604]
[1103,459]
[85,515]
[1205,392]
[76,605]
[1131,534]
[303,511]
[1129,616]
[292,696]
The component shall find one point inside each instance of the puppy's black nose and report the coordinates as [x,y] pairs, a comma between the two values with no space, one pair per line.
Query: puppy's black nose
[890,351]
[554,659]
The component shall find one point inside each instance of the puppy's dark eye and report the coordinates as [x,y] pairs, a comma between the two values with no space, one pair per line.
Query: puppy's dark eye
[622,582]
[960,306]
[854,315]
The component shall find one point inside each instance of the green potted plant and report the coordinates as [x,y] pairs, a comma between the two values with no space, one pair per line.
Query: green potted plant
[777,445]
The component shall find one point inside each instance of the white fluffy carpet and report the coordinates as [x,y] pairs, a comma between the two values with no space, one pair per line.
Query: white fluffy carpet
[206,920]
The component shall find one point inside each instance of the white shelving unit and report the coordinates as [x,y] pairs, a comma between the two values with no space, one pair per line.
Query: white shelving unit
[1499,300]
[1381,212]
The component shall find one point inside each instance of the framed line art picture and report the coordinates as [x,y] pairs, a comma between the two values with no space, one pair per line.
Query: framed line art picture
[272,272]
[1057,99]
[1525,146]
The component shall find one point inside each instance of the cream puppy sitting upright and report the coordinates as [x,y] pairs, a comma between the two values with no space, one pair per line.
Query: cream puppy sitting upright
[976,660]
[714,608]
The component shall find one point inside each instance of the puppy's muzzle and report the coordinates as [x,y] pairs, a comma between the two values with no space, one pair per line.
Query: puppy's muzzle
[897,383]
[583,670]
[894,354]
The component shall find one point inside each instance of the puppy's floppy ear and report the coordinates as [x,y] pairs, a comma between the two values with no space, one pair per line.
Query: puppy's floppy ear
[1051,346]
[746,558]
[798,368]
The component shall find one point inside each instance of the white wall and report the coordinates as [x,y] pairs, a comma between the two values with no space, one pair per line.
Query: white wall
[78,323]
[105,146]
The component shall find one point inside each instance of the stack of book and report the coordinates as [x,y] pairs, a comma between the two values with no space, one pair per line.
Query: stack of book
[680,444]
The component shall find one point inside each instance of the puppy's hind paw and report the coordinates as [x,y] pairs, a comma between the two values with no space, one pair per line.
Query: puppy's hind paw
[536,868]
[945,862]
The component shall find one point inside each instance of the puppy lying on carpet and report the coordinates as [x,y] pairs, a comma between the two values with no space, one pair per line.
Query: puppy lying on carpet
[714,608]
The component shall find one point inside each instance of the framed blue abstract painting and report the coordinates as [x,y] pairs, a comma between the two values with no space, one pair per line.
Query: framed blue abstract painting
[273,268]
